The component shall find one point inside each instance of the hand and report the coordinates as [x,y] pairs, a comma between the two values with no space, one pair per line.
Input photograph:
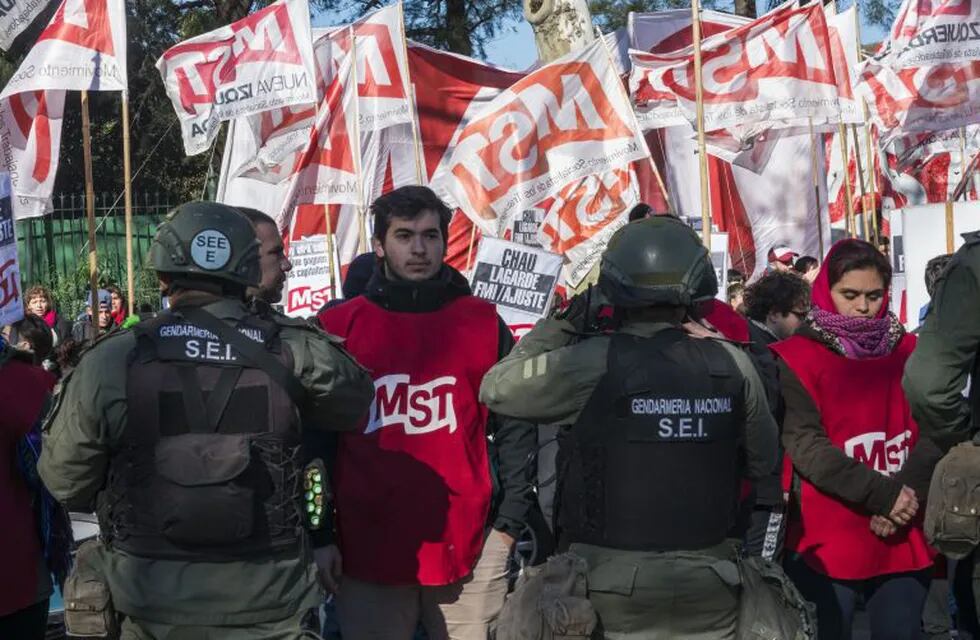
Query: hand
[330,567]
[905,507]
[506,537]
[882,526]
[583,309]
[698,330]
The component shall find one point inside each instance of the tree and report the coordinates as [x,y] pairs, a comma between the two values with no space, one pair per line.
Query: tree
[460,26]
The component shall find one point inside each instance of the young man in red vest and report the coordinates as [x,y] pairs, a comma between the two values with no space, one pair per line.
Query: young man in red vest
[418,538]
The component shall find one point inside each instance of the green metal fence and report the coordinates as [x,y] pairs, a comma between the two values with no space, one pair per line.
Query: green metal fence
[53,250]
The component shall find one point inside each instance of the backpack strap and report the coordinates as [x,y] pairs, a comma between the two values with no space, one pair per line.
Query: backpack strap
[251,351]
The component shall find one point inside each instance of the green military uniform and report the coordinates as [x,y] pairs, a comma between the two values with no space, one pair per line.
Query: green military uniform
[240,597]
[948,346]
[551,376]
[946,356]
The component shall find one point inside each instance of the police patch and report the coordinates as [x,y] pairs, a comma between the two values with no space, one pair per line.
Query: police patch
[211,249]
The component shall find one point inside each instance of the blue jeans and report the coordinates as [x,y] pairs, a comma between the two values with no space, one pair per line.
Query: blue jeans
[894,602]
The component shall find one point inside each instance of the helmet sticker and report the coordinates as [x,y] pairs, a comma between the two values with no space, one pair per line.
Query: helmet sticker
[211,249]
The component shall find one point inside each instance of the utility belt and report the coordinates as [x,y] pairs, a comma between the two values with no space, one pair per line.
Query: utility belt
[551,602]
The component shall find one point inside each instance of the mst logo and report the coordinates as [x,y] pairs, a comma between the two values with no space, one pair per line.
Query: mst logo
[202,67]
[419,409]
[884,456]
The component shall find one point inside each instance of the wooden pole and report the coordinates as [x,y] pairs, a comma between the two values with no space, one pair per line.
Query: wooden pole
[93,260]
[410,96]
[330,251]
[816,169]
[469,251]
[702,152]
[872,179]
[128,204]
[864,192]
[848,194]
[949,226]
[356,146]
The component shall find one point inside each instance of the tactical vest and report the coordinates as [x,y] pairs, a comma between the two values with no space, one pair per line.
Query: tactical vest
[652,464]
[207,469]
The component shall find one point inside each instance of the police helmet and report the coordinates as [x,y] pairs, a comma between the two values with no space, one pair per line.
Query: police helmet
[657,261]
[207,240]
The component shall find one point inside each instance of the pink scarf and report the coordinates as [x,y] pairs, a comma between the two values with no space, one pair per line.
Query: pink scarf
[51,318]
[858,337]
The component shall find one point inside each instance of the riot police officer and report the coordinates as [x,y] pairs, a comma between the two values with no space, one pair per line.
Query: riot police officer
[663,425]
[184,435]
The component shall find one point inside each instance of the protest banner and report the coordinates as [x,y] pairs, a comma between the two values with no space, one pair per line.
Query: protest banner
[777,69]
[524,229]
[562,122]
[719,260]
[519,280]
[11,305]
[83,48]
[925,224]
[16,16]
[581,218]
[30,144]
[308,284]
[941,32]
[263,61]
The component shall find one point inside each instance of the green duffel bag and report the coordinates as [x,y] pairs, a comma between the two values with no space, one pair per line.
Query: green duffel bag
[952,522]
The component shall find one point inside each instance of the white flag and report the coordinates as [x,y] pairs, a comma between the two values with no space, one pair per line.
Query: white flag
[563,122]
[264,61]
[30,141]
[82,48]
[16,16]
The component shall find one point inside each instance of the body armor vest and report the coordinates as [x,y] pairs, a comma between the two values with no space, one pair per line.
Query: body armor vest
[208,465]
[652,463]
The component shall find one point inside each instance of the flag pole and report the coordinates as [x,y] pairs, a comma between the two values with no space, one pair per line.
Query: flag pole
[816,187]
[412,105]
[93,261]
[864,192]
[356,145]
[872,186]
[330,251]
[848,194]
[128,205]
[872,179]
[949,226]
[636,124]
[469,251]
[702,152]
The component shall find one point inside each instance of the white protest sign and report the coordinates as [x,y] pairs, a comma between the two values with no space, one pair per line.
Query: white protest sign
[719,259]
[927,225]
[897,244]
[308,285]
[518,279]
[11,306]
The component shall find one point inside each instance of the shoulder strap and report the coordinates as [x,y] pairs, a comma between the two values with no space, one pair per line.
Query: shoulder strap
[251,351]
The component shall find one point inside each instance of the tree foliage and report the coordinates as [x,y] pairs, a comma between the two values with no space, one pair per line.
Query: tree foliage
[461,26]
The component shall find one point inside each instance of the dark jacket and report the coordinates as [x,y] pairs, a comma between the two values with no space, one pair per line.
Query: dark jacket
[513,442]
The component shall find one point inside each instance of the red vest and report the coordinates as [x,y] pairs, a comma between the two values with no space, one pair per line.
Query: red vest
[865,413]
[413,484]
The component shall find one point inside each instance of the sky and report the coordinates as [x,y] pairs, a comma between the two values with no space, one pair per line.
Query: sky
[514,46]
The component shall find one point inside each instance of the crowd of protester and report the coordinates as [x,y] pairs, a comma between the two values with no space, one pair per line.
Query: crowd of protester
[831,355]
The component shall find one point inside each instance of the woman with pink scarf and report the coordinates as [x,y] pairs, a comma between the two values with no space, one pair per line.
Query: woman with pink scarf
[855,525]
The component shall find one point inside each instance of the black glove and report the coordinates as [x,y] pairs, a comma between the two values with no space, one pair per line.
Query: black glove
[583,310]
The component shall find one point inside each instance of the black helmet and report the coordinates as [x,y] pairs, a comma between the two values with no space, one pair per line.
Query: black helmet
[207,240]
[657,261]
